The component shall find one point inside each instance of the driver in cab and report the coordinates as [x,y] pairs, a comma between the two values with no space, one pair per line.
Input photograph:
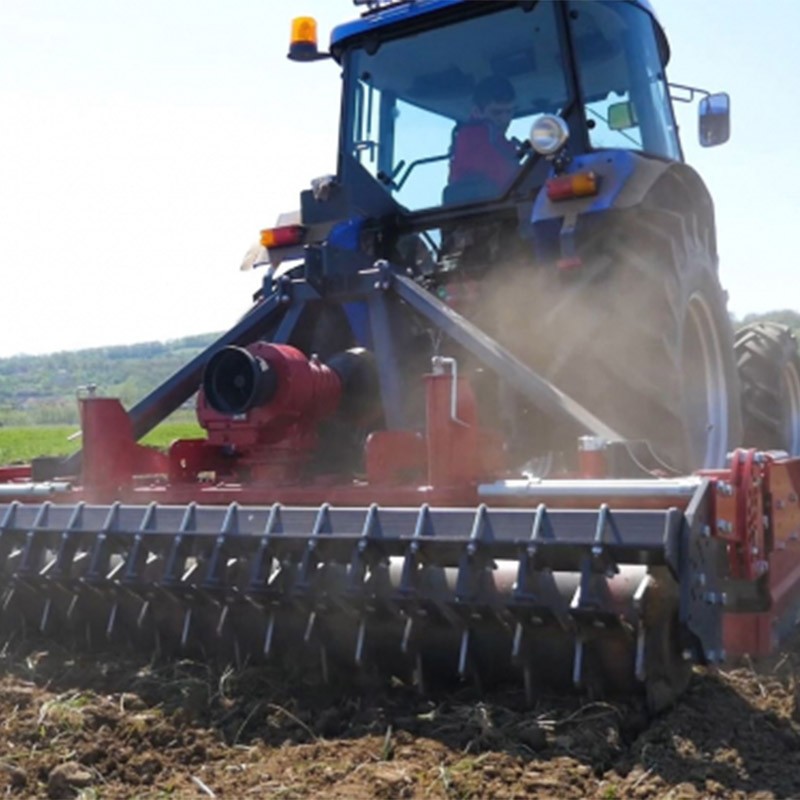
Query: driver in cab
[483,159]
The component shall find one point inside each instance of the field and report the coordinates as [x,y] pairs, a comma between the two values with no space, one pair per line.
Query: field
[20,444]
[122,724]
[112,727]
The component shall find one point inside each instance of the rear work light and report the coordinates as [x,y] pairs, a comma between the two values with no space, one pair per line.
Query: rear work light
[282,236]
[567,187]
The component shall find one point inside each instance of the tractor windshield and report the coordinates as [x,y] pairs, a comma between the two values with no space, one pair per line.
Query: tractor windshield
[624,89]
[439,116]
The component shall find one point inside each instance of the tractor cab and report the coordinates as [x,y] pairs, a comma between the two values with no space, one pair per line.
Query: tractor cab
[585,76]
[425,148]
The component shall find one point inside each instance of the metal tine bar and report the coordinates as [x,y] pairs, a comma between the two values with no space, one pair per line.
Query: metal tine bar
[408,589]
[6,534]
[605,521]
[535,592]
[370,534]
[136,559]
[592,595]
[310,561]
[9,516]
[472,562]
[33,547]
[262,565]
[357,572]
[218,561]
[542,530]
[99,559]
[423,528]
[176,558]
[68,544]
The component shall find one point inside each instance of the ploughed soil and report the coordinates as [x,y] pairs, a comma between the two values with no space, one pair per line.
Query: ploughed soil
[111,726]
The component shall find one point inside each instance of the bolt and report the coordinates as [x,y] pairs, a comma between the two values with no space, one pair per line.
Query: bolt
[724,526]
[687,655]
[285,299]
[724,488]
[597,550]
[705,530]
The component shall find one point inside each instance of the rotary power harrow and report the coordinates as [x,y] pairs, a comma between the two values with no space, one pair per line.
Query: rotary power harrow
[467,430]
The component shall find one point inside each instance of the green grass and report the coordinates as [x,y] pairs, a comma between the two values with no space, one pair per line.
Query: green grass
[21,444]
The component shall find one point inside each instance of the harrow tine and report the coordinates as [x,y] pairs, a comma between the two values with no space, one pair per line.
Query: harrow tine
[45,615]
[577,664]
[71,606]
[639,595]
[463,653]
[309,630]
[142,615]
[112,620]
[407,630]
[362,630]
[267,650]
[187,622]
[223,617]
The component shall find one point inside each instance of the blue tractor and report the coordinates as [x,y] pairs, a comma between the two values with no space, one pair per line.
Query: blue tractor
[587,247]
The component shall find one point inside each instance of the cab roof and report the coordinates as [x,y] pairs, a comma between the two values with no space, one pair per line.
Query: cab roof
[387,14]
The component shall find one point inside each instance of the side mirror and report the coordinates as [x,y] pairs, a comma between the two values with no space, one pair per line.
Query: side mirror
[622,116]
[715,119]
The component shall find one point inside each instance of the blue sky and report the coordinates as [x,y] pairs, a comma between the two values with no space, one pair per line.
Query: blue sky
[144,145]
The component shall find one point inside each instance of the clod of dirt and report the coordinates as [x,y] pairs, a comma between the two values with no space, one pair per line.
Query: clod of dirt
[65,780]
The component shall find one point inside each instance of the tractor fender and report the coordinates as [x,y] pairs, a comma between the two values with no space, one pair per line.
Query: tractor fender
[627,182]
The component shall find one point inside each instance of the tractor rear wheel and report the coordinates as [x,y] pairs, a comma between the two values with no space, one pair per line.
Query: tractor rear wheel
[641,337]
[769,372]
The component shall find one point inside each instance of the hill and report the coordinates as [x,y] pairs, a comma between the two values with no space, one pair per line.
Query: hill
[40,390]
